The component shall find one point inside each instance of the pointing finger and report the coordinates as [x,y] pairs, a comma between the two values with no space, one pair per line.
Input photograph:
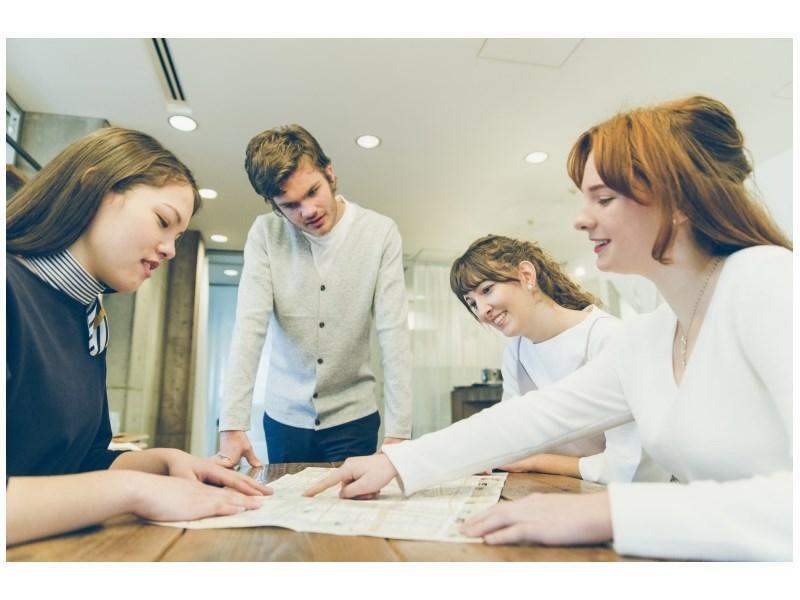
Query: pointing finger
[337,476]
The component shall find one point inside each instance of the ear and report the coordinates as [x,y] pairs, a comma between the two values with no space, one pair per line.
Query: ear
[527,274]
[330,175]
[87,175]
[679,217]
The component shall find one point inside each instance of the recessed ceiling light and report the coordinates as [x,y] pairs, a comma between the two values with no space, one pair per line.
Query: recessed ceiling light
[580,272]
[207,193]
[231,272]
[536,157]
[218,237]
[183,123]
[368,141]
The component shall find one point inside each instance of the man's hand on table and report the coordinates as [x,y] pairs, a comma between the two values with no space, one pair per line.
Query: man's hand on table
[233,445]
[550,519]
[362,477]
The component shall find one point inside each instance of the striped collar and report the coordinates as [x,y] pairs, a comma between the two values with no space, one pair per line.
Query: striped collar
[63,272]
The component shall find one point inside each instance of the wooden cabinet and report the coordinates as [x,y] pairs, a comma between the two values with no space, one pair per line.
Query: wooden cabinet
[467,400]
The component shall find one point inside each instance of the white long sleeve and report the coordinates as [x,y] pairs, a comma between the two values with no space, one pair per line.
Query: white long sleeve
[615,455]
[585,403]
[391,322]
[253,311]
[725,432]
[748,519]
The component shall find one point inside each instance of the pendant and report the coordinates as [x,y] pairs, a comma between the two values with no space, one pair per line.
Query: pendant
[683,350]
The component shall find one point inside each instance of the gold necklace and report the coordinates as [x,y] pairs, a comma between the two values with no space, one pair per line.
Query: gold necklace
[684,336]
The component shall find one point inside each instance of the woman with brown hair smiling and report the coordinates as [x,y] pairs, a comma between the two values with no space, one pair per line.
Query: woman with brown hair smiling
[707,376]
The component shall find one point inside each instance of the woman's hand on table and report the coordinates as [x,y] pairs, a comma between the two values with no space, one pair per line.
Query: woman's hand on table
[186,466]
[171,461]
[549,519]
[160,498]
[362,477]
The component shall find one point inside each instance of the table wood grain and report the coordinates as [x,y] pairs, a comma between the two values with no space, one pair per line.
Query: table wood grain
[128,538]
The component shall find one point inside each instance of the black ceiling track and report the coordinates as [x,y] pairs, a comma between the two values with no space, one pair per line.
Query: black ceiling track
[168,68]
[21,151]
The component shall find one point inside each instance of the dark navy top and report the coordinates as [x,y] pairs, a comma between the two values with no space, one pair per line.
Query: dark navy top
[56,405]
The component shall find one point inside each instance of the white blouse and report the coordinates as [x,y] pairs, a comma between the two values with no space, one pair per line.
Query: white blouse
[725,432]
[615,455]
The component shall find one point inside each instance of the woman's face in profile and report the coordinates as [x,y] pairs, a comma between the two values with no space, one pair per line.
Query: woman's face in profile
[621,230]
[133,232]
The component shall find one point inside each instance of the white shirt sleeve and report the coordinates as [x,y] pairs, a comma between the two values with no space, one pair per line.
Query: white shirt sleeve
[391,321]
[253,311]
[620,460]
[588,401]
[509,370]
[736,520]
[623,453]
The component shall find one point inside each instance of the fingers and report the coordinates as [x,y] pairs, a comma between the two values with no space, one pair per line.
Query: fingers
[237,481]
[224,460]
[364,496]
[486,522]
[250,486]
[358,488]
[519,467]
[251,457]
[337,476]
[515,534]
[232,503]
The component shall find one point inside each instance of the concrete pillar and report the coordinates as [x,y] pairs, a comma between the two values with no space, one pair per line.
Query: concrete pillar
[180,337]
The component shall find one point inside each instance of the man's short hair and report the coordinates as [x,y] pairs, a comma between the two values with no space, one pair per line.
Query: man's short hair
[273,155]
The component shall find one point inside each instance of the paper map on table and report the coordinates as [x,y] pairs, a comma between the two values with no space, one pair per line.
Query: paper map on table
[435,513]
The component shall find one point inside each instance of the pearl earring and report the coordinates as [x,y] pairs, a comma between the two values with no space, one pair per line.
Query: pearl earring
[530,287]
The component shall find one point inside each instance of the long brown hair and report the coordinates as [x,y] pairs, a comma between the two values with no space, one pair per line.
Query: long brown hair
[685,155]
[497,258]
[51,211]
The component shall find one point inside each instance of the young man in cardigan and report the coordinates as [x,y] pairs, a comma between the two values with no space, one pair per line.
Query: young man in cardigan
[317,271]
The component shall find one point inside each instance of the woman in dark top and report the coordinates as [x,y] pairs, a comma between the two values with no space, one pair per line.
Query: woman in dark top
[100,217]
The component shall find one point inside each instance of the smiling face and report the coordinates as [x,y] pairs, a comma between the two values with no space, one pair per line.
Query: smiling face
[622,230]
[308,199]
[504,305]
[133,232]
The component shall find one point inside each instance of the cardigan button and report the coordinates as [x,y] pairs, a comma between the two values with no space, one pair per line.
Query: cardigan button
[322,288]
[316,421]
[316,395]
[319,361]
[321,324]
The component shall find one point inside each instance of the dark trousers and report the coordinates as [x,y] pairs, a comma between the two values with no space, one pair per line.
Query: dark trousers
[295,444]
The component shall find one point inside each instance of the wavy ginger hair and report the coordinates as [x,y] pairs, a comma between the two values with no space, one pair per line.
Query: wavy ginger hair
[685,155]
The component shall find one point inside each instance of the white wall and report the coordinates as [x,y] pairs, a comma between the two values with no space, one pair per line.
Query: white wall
[773,183]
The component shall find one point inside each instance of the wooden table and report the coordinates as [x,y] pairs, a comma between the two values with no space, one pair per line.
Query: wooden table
[128,538]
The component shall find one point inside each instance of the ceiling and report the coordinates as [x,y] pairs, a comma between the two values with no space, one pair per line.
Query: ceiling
[456,116]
